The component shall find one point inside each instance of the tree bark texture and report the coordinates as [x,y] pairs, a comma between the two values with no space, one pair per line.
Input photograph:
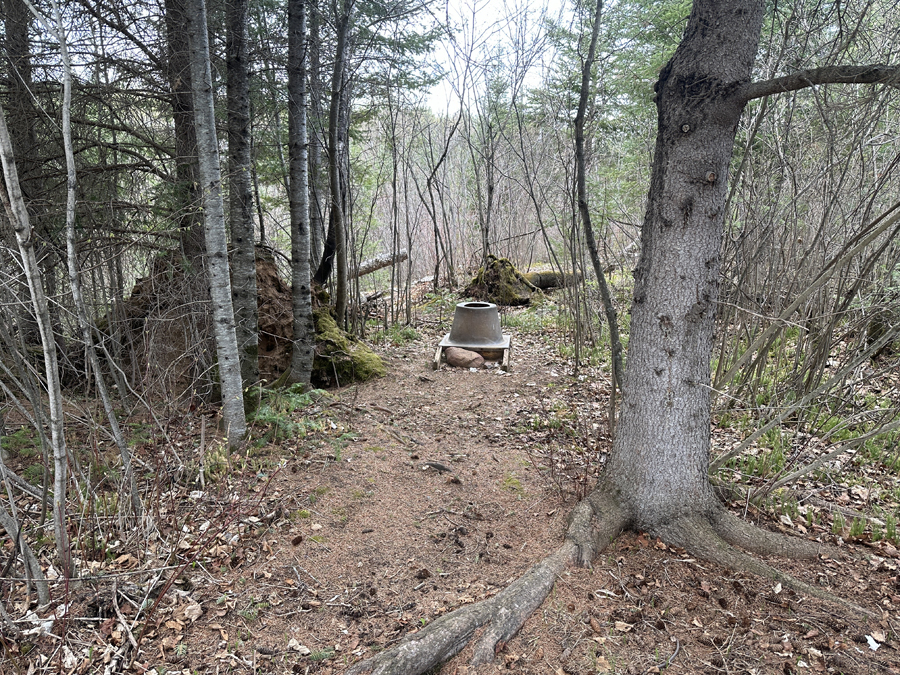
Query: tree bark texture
[240,212]
[18,215]
[21,112]
[337,139]
[315,118]
[186,195]
[660,457]
[214,225]
[298,142]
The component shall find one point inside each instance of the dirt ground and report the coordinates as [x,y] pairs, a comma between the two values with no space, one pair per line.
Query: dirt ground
[418,493]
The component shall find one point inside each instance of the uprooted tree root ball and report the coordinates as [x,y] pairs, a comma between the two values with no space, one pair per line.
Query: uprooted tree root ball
[500,282]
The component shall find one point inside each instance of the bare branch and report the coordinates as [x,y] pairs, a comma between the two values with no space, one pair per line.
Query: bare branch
[871,74]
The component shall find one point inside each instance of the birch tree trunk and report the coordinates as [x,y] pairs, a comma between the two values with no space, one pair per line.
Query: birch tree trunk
[84,321]
[298,141]
[243,259]
[214,225]
[18,215]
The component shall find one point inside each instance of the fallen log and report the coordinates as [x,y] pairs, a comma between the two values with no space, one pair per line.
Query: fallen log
[548,280]
[380,261]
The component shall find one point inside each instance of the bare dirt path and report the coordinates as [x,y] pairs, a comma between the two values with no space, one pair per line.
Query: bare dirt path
[427,490]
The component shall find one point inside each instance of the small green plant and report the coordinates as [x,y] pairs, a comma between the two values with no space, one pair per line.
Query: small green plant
[216,462]
[837,523]
[34,474]
[321,654]
[511,483]
[276,406]
[320,491]
[250,613]
[139,434]
[20,443]
[890,528]
[857,527]
[877,532]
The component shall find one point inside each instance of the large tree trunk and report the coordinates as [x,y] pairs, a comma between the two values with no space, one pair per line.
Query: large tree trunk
[660,458]
[214,225]
[243,258]
[21,114]
[186,180]
[335,256]
[304,326]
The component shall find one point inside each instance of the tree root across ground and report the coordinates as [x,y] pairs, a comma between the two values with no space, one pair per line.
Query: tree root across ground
[425,492]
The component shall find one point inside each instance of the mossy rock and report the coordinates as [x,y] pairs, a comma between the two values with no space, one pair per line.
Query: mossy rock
[340,358]
[501,283]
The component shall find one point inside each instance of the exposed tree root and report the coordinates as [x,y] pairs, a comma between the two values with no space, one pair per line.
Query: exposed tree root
[595,522]
[704,540]
[742,534]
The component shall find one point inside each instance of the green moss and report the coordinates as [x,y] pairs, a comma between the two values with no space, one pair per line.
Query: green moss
[341,359]
[500,282]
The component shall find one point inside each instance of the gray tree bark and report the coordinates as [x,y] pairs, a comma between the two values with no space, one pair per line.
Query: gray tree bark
[298,142]
[660,459]
[186,179]
[14,203]
[337,138]
[214,225]
[240,213]
[317,186]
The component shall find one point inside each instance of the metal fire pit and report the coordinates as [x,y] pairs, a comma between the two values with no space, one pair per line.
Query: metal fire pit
[476,327]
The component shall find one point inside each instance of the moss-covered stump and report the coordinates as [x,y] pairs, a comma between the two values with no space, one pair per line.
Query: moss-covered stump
[501,283]
[340,358]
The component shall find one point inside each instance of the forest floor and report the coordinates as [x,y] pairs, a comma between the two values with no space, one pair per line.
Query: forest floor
[415,494]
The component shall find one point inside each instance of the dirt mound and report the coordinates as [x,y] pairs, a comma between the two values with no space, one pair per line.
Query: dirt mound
[166,323]
[276,317]
[164,329]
